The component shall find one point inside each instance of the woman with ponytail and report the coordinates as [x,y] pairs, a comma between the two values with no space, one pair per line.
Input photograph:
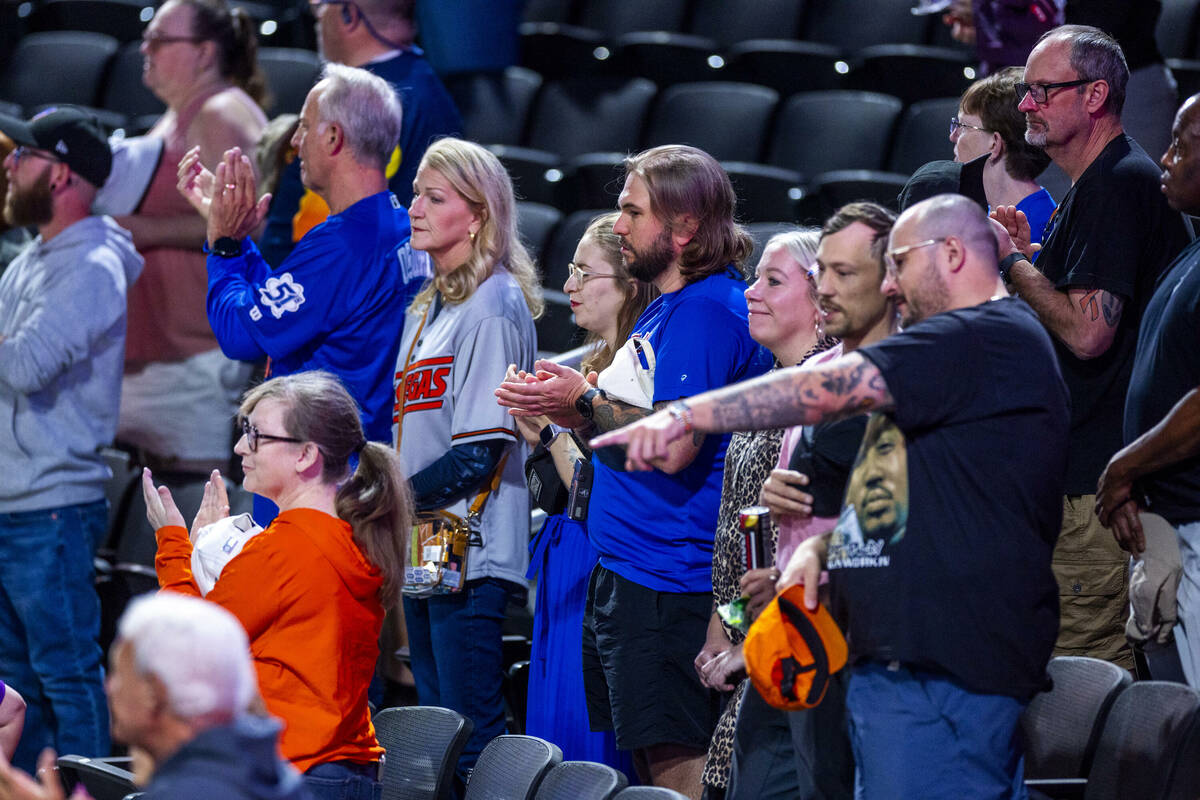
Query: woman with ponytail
[312,588]
[200,58]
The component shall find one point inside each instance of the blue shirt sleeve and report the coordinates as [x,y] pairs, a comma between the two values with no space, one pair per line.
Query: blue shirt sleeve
[230,295]
[702,347]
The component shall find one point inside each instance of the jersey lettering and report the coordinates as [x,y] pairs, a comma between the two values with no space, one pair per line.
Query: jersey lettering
[425,386]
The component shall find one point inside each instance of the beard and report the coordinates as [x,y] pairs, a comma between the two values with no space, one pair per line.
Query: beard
[654,260]
[31,206]
[1037,138]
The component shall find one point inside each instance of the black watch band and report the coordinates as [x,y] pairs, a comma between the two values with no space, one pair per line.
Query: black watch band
[1006,264]
[547,434]
[584,404]
[227,247]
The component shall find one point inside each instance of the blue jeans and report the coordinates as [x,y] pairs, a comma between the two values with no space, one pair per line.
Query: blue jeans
[922,734]
[337,780]
[458,659]
[49,625]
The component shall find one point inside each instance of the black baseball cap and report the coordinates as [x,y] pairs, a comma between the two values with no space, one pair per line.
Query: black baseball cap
[71,134]
[946,177]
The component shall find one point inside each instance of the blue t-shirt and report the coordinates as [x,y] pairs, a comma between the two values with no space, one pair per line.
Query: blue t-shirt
[653,528]
[336,303]
[1037,207]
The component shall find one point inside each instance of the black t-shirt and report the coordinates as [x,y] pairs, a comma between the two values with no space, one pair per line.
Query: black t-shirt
[1166,368]
[1113,231]
[941,557]
[825,453]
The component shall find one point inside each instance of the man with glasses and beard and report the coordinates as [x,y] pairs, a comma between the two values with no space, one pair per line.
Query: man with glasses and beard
[1105,246]
[62,347]
[651,596]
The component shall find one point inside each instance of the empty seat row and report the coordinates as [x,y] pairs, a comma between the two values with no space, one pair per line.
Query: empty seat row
[94,69]
[840,22]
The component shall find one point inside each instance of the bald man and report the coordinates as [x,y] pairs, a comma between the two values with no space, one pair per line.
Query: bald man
[952,619]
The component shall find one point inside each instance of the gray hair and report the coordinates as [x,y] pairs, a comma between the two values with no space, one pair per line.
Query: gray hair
[366,108]
[1095,56]
[196,649]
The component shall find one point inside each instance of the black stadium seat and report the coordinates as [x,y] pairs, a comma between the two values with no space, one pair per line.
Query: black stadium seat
[495,106]
[729,121]
[589,114]
[57,67]
[728,22]
[822,131]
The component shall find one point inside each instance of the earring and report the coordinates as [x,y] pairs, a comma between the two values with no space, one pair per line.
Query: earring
[472,235]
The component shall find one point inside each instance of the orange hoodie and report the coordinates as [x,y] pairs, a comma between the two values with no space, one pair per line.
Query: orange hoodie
[309,600]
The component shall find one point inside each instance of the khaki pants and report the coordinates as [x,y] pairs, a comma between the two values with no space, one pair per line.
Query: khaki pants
[1093,586]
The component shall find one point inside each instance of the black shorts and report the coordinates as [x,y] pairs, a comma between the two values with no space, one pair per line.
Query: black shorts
[638,649]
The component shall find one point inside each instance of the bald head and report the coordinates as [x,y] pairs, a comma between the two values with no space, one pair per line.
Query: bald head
[1181,162]
[942,256]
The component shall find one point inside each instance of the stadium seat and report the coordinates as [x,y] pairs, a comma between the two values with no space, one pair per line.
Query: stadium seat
[616,17]
[761,233]
[535,223]
[821,131]
[561,249]
[565,51]
[581,780]
[832,190]
[764,192]
[123,88]
[511,767]
[1176,32]
[535,173]
[859,24]
[667,58]
[912,72]
[423,744]
[593,180]
[290,73]
[556,329]
[787,66]
[729,121]
[649,793]
[587,115]
[495,106]
[548,11]
[57,67]
[728,23]
[923,134]
[124,20]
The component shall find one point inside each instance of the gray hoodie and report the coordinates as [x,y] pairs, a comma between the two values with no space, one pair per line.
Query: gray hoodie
[62,316]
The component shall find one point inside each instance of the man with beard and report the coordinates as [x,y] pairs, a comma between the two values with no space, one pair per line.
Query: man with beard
[651,596]
[62,346]
[950,626]
[1160,465]
[1103,250]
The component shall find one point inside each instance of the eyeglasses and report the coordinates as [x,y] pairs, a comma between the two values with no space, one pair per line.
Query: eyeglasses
[253,436]
[899,252]
[153,41]
[24,151]
[582,276]
[955,124]
[1040,92]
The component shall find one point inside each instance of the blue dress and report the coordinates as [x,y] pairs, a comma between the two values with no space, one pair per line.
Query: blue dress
[562,559]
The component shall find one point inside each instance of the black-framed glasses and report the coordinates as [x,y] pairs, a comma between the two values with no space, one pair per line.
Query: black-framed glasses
[24,151]
[582,276]
[153,41]
[1040,92]
[254,436]
[955,124]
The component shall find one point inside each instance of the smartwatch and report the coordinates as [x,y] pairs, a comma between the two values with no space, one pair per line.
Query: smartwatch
[584,403]
[1006,264]
[547,435]
[226,247]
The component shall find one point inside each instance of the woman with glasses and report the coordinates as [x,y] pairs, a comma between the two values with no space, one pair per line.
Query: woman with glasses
[462,450]
[200,58]
[784,317]
[312,588]
[606,301]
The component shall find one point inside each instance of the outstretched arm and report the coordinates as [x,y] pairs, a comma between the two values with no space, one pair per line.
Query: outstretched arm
[842,388]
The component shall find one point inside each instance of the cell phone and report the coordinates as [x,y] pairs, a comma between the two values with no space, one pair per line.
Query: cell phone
[581,490]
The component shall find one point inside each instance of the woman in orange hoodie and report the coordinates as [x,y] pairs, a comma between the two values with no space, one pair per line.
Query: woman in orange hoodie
[312,588]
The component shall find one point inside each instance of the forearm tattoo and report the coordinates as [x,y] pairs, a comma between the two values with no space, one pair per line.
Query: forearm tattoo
[609,414]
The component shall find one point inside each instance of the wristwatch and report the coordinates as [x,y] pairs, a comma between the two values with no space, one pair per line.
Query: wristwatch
[547,434]
[1006,264]
[227,247]
[584,403]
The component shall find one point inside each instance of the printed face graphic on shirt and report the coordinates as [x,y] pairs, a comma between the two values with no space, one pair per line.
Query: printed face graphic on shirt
[875,513]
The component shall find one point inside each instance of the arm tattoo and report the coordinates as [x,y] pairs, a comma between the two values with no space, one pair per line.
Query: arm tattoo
[1111,305]
[609,414]
[847,387]
[1097,303]
[1089,305]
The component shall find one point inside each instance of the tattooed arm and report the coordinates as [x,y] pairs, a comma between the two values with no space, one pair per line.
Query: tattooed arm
[842,388]
[1085,320]
[610,415]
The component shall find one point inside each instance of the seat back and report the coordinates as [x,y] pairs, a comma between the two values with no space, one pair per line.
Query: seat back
[123,89]
[587,115]
[729,121]
[423,744]
[1062,726]
[57,67]
[649,793]
[290,73]
[581,780]
[495,107]
[728,22]
[615,17]
[1146,741]
[789,67]
[923,135]
[535,222]
[859,24]
[511,767]
[102,780]
[823,131]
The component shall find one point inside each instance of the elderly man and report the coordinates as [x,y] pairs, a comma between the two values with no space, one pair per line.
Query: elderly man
[951,623]
[180,685]
[1105,247]
[376,35]
[1160,466]
[337,302]
[62,344]
[651,596]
